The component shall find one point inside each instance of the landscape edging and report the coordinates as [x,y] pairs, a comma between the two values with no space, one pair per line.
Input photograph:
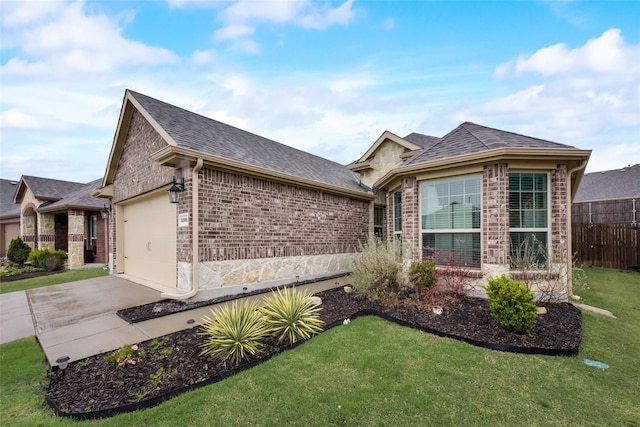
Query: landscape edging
[156,400]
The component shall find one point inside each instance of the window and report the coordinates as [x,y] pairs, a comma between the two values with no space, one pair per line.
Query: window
[450,220]
[91,233]
[378,221]
[397,214]
[528,217]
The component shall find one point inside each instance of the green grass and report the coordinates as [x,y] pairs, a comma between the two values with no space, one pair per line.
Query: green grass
[372,372]
[53,279]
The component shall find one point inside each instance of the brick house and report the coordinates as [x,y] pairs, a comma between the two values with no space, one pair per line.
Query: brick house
[62,215]
[252,212]
[472,197]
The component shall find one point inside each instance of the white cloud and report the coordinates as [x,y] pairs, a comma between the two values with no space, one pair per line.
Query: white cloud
[233,32]
[201,57]
[14,118]
[75,42]
[241,18]
[604,55]
[17,13]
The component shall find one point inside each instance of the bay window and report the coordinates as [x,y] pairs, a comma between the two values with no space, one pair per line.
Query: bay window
[450,220]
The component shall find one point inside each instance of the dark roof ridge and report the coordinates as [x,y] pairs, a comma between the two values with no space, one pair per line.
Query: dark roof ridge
[465,126]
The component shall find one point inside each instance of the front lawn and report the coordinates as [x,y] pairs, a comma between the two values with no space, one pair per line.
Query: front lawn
[372,372]
[52,279]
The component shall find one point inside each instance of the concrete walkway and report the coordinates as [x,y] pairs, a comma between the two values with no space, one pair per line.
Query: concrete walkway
[79,319]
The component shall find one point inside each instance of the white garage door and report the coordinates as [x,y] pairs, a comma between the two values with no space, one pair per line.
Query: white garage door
[149,236]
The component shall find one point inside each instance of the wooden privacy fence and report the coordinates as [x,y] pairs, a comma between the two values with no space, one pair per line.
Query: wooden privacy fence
[606,234]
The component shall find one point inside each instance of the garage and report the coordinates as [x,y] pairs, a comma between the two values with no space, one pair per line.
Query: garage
[148,237]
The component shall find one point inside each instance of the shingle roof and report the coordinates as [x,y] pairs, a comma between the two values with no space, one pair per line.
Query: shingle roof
[50,189]
[424,141]
[80,198]
[471,138]
[611,184]
[7,190]
[196,132]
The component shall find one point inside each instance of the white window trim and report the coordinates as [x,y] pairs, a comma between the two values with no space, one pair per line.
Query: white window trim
[396,234]
[547,229]
[454,230]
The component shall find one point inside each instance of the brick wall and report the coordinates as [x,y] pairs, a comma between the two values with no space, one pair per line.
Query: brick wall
[137,173]
[247,218]
[495,214]
[559,212]
[410,217]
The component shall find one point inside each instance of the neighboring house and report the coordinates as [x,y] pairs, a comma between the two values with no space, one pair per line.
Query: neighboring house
[62,215]
[9,215]
[252,211]
[606,219]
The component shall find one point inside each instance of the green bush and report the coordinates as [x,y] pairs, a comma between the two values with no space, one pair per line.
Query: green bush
[290,315]
[236,332]
[422,274]
[511,304]
[18,251]
[47,259]
[376,268]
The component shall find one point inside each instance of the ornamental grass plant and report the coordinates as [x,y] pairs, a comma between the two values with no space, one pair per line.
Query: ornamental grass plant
[235,332]
[290,315]
[376,268]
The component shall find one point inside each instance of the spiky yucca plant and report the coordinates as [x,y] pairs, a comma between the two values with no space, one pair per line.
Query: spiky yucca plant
[290,315]
[236,332]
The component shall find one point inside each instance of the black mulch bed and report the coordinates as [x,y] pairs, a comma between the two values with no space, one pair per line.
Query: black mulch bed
[29,275]
[92,388]
[165,307]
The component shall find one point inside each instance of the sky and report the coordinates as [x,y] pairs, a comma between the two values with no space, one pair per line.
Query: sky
[327,77]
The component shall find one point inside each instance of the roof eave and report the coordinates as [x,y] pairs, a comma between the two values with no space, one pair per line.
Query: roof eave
[179,157]
[488,156]
[66,207]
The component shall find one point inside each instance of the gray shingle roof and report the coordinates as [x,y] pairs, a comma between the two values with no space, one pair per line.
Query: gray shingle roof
[80,198]
[50,189]
[611,184]
[7,190]
[196,132]
[471,138]
[424,141]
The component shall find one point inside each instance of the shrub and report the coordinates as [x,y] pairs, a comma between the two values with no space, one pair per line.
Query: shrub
[290,315]
[511,304]
[422,274]
[235,332]
[47,259]
[376,268]
[18,251]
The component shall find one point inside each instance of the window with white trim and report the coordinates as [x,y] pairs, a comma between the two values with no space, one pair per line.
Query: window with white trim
[528,216]
[450,220]
[397,214]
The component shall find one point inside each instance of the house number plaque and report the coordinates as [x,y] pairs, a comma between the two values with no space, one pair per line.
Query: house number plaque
[183,220]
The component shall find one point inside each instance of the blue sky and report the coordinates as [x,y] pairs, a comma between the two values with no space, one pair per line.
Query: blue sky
[327,77]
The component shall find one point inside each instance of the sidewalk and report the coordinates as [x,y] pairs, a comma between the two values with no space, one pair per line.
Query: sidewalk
[79,319]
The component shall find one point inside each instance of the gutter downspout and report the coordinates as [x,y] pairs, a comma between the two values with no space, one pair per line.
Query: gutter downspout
[195,264]
[570,231]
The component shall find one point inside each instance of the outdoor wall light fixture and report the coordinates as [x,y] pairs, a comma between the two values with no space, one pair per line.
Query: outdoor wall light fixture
[175,190]
[105,212]
[62,362]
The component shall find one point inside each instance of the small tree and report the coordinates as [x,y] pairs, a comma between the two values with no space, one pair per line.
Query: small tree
[18,251]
